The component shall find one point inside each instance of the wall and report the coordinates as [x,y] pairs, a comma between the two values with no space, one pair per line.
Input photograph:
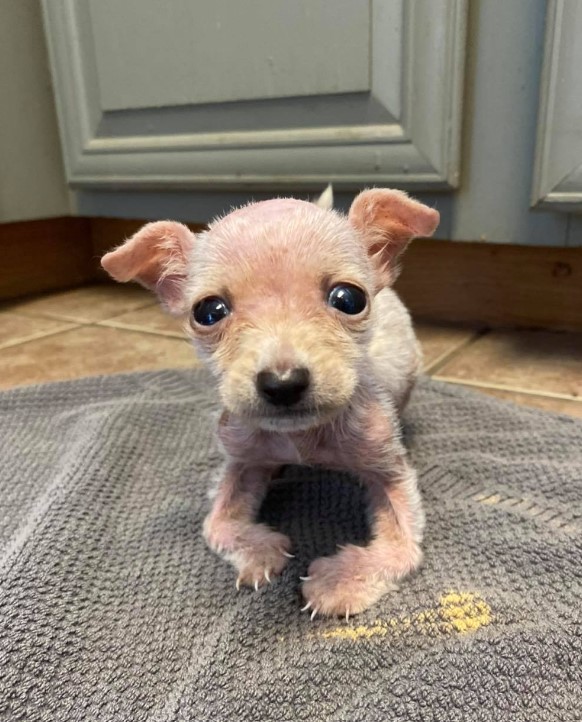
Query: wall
[32,182]
[503,65]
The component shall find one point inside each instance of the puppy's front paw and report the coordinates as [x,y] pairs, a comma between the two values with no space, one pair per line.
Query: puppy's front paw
[263,557]
[258,553]
[344,584]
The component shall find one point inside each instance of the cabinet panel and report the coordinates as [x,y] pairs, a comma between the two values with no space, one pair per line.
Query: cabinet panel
[558,172]
[214,51]
[281,95]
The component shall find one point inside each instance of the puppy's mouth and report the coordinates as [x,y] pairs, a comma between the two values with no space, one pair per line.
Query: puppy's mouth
[292,418]
[291,421]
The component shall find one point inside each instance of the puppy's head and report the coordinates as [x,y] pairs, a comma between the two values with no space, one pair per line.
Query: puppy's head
[279,296]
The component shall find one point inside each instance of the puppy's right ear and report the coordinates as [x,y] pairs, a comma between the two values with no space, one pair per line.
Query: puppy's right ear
[388,220]
[157,257]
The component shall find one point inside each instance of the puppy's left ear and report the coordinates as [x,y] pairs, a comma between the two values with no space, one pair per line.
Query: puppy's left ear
[388,220]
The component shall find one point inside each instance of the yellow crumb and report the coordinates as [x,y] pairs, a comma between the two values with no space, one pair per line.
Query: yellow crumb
[457,613]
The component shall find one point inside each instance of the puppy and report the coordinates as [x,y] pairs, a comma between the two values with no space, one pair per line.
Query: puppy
[289,304]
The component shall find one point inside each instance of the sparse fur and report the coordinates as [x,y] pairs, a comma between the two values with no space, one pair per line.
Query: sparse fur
[275,262]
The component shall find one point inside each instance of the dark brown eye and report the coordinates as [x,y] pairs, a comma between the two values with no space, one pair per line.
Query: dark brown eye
[347,299]
[210,310]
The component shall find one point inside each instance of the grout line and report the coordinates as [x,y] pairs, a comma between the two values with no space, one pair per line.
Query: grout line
[140,329]
[128,310]
[503,387]
[447,356]
[39,336]
[55,316]
[135,329]
[77,319]
[78,325]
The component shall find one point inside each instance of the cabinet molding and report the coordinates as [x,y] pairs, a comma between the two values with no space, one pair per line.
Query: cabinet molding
[404,130]
[558,156]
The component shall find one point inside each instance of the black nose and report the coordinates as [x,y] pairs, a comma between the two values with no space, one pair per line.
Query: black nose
[283,390]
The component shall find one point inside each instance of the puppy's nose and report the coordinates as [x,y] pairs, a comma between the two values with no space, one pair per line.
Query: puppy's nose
[285,389]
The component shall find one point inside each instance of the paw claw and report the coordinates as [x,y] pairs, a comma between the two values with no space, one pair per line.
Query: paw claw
[287,554]
[345,584]
[237,584]
[306,607]
[313,613]
[257,555]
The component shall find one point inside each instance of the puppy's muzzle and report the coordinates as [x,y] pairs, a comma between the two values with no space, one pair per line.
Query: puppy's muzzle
[286,389]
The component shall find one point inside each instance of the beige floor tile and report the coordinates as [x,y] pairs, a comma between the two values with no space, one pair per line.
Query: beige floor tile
[151,319]
[522,360]
[547,403]
[88,351]
[439,340]
[16,329]
[88,304]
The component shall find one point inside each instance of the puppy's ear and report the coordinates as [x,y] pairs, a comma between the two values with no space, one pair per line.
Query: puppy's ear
[388,221]
[325,200]
[157,257]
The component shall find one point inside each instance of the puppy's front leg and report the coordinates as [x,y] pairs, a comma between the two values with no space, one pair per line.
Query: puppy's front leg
[231,530]
[358,576]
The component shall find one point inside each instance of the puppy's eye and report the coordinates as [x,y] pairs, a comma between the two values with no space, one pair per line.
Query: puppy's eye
[210,310]
[347,299]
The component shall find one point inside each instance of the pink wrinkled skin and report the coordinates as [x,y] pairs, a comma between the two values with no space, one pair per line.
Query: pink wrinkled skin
[275,262]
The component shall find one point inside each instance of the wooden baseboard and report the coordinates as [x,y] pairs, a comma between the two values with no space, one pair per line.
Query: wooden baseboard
[474,283]
[44,255]
[493,285]
[53,254]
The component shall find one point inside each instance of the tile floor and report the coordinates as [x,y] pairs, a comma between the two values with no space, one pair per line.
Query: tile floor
[112,329]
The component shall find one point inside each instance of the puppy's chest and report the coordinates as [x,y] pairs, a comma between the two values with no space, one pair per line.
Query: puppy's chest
[354,445]
[322,447]
[317,446]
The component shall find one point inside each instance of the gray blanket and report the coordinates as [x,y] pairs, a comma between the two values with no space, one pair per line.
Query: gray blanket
[112,608]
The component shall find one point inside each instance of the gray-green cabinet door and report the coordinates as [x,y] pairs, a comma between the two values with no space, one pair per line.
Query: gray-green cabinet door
[558,171]
[262,94]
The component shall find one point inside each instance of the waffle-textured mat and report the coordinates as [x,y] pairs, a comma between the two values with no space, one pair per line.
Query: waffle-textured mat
[112,608]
